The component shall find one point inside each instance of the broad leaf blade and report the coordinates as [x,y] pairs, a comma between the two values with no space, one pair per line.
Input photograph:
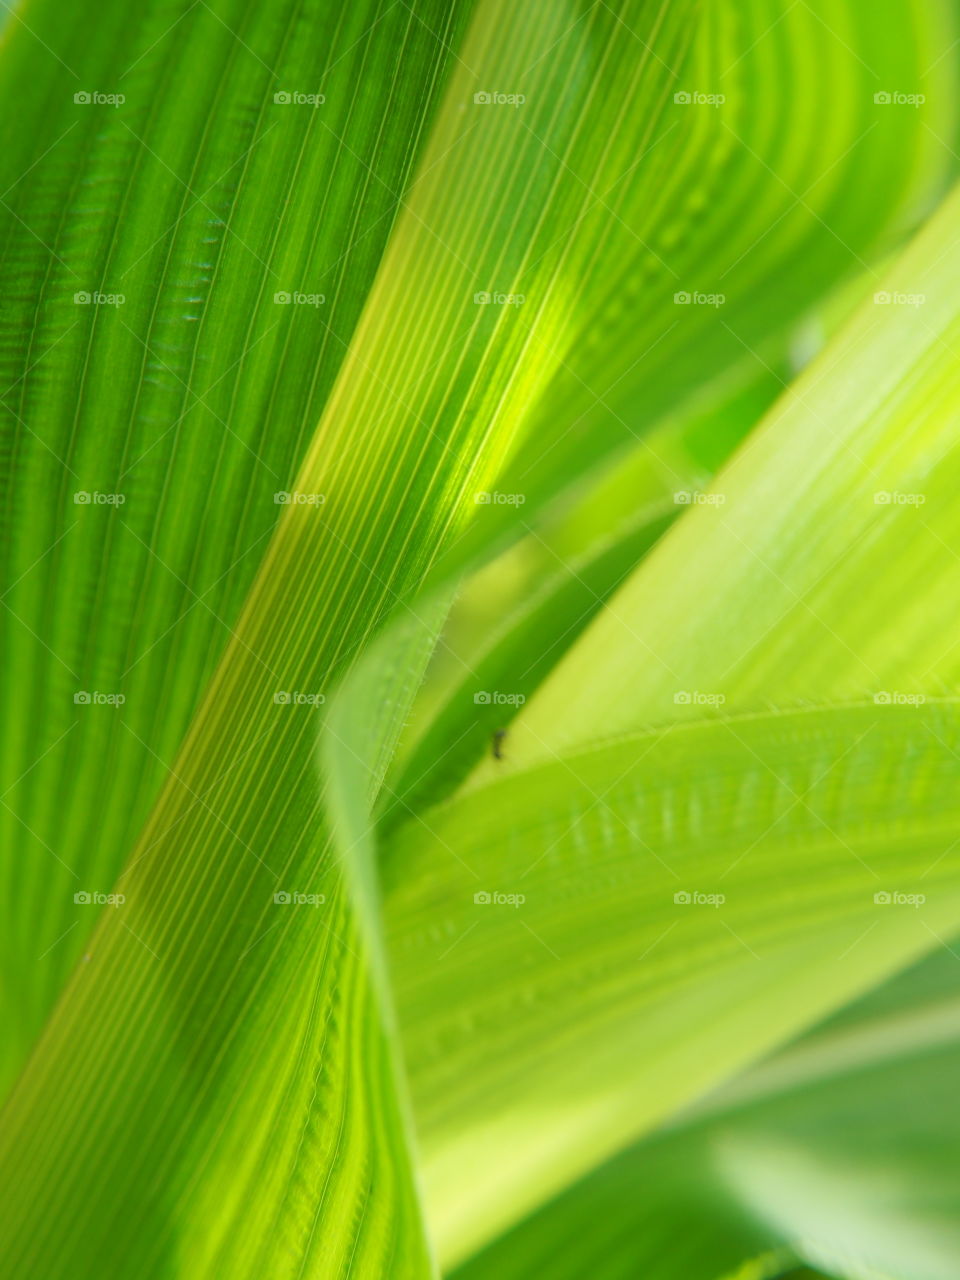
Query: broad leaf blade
[198,1065]
[569,1022]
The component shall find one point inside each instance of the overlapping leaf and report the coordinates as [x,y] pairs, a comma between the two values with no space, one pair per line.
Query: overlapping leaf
[218,1089]
[855,446]
[583,947]
[265,1115]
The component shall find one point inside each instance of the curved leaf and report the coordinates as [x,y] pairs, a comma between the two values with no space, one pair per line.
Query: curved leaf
[609,984]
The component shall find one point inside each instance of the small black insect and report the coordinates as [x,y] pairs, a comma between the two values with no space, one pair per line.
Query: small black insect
[498,737]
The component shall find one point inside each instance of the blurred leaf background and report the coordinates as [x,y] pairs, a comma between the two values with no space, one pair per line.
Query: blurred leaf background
[480,578]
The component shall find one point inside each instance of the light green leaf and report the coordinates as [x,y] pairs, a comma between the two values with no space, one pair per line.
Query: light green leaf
[652,1211]
[566,1024]
[804,573]
[551,583]
[219,1042]
[205,1075]
[760,199]
[192,401]
[865,1098]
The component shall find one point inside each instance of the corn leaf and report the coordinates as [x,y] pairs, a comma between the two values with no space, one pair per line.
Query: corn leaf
[295,296]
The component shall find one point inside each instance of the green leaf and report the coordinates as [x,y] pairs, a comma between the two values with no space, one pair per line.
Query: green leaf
[205,1075]
[198,199]
[810,597]
[878,1194]
[760,199]
[175,1057]
[184,1050]
[653,1211]
[556,578]
[804,573]
[567,1024]
[705,1184]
